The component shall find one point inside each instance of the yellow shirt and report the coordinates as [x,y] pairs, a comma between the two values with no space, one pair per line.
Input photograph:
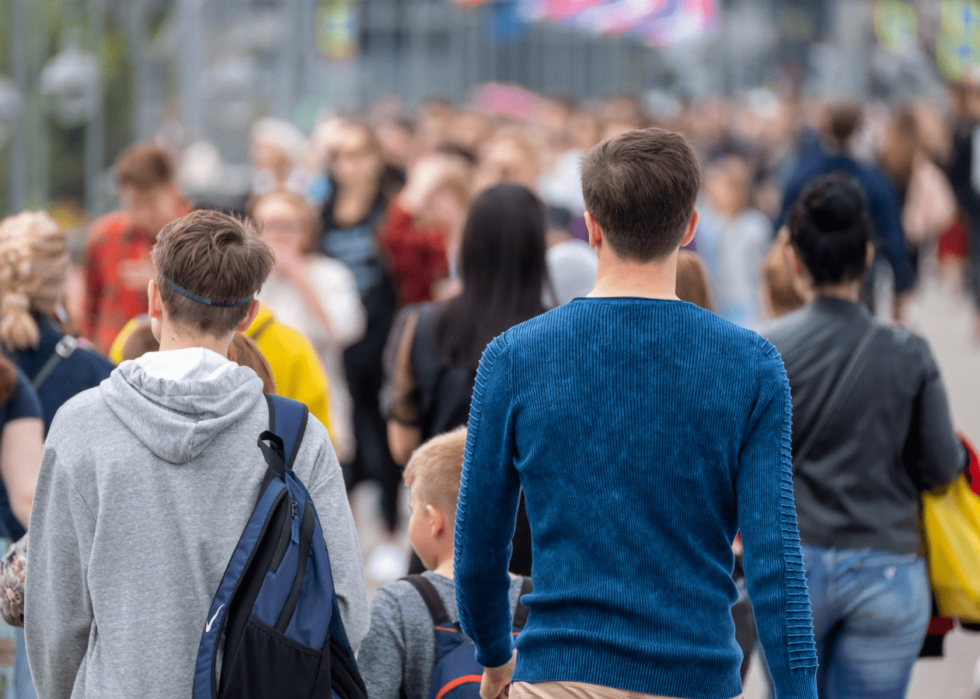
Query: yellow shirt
[296,368]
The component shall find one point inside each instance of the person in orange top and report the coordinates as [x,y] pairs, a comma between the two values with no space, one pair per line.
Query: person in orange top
[118,266]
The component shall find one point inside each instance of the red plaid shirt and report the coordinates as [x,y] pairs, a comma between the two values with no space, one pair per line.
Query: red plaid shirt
[109,302]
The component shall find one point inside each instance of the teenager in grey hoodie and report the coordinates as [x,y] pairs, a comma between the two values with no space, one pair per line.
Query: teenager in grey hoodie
[146,485]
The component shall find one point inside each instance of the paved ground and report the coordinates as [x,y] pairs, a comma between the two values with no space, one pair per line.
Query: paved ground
[946,321]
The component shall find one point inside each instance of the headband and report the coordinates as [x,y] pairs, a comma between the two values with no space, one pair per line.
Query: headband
[203,299]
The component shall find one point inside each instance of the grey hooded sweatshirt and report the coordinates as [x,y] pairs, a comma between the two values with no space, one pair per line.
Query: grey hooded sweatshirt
[145,487]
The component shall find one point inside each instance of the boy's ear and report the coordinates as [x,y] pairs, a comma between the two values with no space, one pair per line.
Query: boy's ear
[438,519]
[253,310]
[156,302]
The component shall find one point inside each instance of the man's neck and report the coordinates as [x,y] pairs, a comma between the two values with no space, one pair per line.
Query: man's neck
[618,277]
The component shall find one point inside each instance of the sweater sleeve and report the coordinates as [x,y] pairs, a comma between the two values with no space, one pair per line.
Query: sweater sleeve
[332,507]
[382,655]
[487,511]
[58,608]
[767,519]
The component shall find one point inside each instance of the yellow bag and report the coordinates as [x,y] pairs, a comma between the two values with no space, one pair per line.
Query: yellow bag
[951,524]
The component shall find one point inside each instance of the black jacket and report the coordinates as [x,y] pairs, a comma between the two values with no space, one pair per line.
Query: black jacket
[889,438]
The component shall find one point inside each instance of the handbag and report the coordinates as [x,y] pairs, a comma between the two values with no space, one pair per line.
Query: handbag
[951,528]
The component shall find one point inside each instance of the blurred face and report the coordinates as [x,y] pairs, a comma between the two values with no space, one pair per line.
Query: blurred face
[152,209]
[271,158]
[282,225]
[356,163]
[506,161]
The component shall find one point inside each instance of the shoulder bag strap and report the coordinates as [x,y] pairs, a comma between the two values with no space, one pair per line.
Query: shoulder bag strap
[64,349]
[853,364]
[522,612]
[431,598]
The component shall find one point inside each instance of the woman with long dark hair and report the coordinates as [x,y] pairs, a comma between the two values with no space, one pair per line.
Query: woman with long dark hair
[434,348]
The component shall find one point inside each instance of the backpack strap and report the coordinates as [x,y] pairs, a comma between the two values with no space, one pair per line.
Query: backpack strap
[522,612]
[287,425]
[431,598]
[287,420]
[65,348]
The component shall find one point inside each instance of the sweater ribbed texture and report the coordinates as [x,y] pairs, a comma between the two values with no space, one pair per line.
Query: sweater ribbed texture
[645,434]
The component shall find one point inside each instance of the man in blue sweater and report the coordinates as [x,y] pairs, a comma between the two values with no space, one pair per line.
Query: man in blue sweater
[645,433]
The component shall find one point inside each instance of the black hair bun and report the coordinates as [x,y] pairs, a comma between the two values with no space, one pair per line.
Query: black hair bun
[835,207]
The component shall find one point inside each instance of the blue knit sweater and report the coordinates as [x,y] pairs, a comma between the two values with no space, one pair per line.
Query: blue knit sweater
[645,434]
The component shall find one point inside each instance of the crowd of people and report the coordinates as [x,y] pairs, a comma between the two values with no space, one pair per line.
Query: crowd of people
[631,346]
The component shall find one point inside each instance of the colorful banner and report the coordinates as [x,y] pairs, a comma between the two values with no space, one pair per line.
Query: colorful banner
[659,22]
[958,44]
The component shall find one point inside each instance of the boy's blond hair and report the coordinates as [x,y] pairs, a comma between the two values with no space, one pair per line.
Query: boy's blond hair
[435,470]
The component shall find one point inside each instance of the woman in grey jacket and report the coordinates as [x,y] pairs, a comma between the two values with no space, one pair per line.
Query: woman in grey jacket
[871,432]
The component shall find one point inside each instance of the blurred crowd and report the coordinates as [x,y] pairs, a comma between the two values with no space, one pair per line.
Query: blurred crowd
[405,240]
[367,216]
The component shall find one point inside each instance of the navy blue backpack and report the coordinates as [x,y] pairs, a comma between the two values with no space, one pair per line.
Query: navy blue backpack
[274,622]
[457,675]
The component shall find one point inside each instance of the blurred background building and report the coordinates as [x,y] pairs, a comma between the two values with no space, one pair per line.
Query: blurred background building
[80,79]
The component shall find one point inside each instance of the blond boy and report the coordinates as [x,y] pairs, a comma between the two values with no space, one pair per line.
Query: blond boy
[399,654]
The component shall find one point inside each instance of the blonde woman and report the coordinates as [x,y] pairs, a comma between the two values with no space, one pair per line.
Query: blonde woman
[314,294]
[33,274]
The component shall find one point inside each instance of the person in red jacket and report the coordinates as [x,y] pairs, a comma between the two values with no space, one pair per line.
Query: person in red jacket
[118,266]
[423,224]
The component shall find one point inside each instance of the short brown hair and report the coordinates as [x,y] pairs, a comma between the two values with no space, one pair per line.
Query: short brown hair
[214,256]
[144,166]
[436,468]
[641,188]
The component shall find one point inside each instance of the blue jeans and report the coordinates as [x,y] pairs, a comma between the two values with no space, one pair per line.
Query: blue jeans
[871,610]
[23,683]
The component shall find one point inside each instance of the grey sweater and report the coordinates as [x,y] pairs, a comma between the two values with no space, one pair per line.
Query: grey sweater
[399,654]
[145,487]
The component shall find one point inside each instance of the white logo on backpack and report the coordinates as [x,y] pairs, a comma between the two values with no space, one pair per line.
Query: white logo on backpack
[207,628]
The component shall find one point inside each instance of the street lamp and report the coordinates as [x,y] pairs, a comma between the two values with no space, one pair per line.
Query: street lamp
[71,82]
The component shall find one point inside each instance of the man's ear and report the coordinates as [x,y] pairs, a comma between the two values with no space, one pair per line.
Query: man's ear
[253,310]
[870,255]
[595,231]
[438,520]
[692,227]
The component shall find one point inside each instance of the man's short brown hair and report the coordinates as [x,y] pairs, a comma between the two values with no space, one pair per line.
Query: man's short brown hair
[641,188]
[144,166]
[436,468]
[214,256]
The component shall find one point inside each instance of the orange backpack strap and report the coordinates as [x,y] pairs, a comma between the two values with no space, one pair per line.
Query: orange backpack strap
[522,612]
[440,617]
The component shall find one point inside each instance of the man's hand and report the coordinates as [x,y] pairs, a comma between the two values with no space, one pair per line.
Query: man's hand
[496,680]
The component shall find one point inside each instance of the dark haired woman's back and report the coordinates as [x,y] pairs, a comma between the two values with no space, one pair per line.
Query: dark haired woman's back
[434,348]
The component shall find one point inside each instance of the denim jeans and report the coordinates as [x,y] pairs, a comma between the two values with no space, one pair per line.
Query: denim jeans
[23,684]
[871,610]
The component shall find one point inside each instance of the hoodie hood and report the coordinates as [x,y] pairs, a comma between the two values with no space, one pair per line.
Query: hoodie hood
[177,402]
